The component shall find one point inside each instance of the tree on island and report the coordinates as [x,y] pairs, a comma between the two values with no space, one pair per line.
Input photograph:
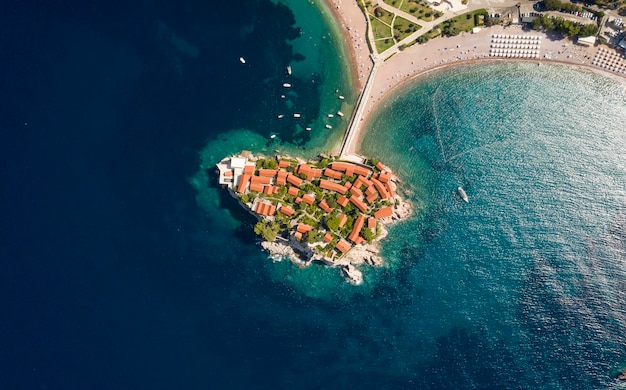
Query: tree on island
[266,230]
[368,235]
[332,222]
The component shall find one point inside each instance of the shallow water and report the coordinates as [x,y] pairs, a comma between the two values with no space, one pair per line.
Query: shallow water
[531,264]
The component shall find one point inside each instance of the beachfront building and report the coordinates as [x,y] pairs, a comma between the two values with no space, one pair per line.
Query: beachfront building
[330,208]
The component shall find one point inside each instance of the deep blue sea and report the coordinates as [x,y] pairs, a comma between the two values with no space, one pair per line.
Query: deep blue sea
[124,266]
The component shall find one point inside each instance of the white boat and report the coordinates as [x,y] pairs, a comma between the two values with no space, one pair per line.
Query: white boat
[287,85]
[329,127]
[463,195]
[282,96]
[330,115]
[242,60]
[341,97]
[340,113]
[308,129]
[281,116]
[296,115]
[289,69]
[273,136]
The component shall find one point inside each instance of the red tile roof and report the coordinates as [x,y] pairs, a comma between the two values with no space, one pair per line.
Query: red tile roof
[317,173]
[358,203]
[370,190]
[332,186]
[350,168]
[295,180]
[256,187]
[343,246]
[383,212]
[298,235]
[304,228]
[281,178]
[228,173]
[301,168]
[328,237]
[293,191]
[265,208]
[268,190]
[268,172]
[324,206]
[355,191]
[298,200]
[342,220]
[384,177]
[308,171]
[309,199]
[372,198]
[248,170]
[371,223]
[342,201]
[283,164]
[381,189]
[243,182]
[261,180]
[362,181]
[286,210]
[332,174]
[358,225]
[390,189]
[380,166]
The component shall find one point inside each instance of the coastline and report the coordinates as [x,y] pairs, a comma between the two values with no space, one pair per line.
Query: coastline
[441,53]
[352,25]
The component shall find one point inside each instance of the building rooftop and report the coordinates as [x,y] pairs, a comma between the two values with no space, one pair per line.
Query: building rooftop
[263,188]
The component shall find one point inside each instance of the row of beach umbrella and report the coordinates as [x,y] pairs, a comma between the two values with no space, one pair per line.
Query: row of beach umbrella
[525,37]
[613,68]
[514,53]
[503,46]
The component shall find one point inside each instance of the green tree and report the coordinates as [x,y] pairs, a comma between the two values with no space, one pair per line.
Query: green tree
[332,222]
[266,230]
[368,235]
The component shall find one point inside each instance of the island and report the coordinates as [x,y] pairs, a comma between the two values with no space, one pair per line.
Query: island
[328,211]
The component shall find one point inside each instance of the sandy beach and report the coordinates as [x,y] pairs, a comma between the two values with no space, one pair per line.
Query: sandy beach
[353,26]
[468,47]
[440,52]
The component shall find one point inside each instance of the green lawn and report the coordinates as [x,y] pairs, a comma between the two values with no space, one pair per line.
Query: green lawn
[384,44]
[380,29]
[402,28]
[458,24]
[419,10]
[378,12]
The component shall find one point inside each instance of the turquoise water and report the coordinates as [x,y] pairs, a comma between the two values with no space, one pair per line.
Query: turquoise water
[520,288]
[535,263]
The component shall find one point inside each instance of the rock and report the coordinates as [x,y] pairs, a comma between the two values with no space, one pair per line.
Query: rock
[352,274]
[622,376]
[281,250]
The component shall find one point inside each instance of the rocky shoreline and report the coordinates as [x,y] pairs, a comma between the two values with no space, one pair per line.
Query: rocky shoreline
[361,255]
